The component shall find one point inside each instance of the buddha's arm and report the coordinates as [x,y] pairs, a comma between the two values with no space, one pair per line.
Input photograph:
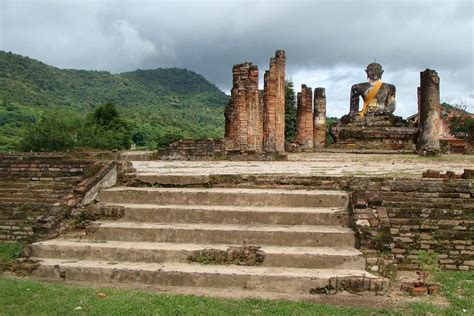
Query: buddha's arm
[354,108]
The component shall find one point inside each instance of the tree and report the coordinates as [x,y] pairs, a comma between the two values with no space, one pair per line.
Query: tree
[106,129]
[290,111]
[461,125]
[56,130]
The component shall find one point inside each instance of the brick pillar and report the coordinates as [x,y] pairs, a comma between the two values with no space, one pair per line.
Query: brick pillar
[430,114]
[304,123]
[274,105]
[319,118]
[244,123]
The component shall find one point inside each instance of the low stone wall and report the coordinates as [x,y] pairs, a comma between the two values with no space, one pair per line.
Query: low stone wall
[210,149]
[395,218]
[190,149]
[38,191]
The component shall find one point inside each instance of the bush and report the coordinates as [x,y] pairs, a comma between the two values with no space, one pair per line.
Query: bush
[61,130]
[55,131]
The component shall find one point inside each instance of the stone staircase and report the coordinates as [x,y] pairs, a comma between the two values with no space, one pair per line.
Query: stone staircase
[304,239]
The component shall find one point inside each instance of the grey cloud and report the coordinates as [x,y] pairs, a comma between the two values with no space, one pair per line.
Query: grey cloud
[210,36]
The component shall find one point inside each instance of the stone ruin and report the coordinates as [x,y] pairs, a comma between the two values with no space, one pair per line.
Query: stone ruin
[255,119]
[381,130]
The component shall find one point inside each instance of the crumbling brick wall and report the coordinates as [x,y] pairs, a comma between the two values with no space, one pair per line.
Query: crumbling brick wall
[31,186]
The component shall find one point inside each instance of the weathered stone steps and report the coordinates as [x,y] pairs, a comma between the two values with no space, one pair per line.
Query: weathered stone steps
[225,214]
[272,279]
[225,196]
[275,256]
[287,235]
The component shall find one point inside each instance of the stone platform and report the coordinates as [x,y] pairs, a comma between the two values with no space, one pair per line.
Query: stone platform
[384,132]
[310,164]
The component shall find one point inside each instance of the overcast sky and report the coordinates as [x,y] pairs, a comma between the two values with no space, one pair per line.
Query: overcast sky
[327,43]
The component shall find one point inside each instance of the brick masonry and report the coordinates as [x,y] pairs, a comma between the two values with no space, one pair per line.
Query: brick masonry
[37,193]
[319,118]
[429,113]
[274,105]
[395,218]
[304,110]
[244,117]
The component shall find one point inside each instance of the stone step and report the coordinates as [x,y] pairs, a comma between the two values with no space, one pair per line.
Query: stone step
[280,235]
[225,196]
[275,256]
[271,279]
[171,179]
[223,214]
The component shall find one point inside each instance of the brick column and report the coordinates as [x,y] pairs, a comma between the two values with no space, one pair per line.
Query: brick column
[274,105]
[304,112]
[430,114]
[244,123]
[319,118]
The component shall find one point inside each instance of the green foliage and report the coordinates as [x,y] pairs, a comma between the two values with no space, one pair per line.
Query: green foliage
[154,103]
[55,131]
[427,264]
[63,130]
[290,111]
[9,252]
[330,122]
[169,137]
[461,125]
[427,261]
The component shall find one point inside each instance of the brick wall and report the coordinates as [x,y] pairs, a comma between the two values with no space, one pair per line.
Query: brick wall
[31,188]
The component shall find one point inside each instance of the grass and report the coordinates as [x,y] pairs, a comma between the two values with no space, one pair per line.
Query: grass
[25,297]
[9,252]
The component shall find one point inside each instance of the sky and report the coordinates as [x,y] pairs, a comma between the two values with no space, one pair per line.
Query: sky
[327,43]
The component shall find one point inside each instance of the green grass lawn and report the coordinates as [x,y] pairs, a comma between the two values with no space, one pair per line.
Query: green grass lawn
[25,297]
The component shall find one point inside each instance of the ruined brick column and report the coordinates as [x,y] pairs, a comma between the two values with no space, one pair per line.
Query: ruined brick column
[244,122]
[274,105]
[304,123]
[430,114]
[319,118]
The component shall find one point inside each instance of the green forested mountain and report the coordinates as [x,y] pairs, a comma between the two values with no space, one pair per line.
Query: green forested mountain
[157,104]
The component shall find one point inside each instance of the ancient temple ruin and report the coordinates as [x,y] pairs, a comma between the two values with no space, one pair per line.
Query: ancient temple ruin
[304,137]
[255,120]
[244,115]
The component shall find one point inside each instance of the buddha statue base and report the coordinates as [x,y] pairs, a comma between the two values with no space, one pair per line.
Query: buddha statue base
[375,131]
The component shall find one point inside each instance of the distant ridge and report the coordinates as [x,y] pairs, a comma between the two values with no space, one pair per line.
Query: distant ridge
[162,100]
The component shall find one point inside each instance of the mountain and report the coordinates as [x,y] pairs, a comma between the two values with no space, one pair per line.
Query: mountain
[156,102]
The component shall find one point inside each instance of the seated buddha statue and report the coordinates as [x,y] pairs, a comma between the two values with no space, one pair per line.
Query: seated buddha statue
[379,97]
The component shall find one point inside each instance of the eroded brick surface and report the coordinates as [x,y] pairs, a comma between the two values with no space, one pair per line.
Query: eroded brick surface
[319,118]
[274,105]
[429,113]
[244,122]
[304,136]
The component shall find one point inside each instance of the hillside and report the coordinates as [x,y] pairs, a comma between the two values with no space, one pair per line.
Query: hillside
[156,102]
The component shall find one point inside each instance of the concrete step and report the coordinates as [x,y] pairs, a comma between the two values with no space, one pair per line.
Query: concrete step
[281,235]
[271,279]
[275,256]
[223,214]
[225,196]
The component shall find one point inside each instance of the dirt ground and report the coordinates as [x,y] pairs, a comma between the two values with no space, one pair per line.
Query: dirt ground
[318,164]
